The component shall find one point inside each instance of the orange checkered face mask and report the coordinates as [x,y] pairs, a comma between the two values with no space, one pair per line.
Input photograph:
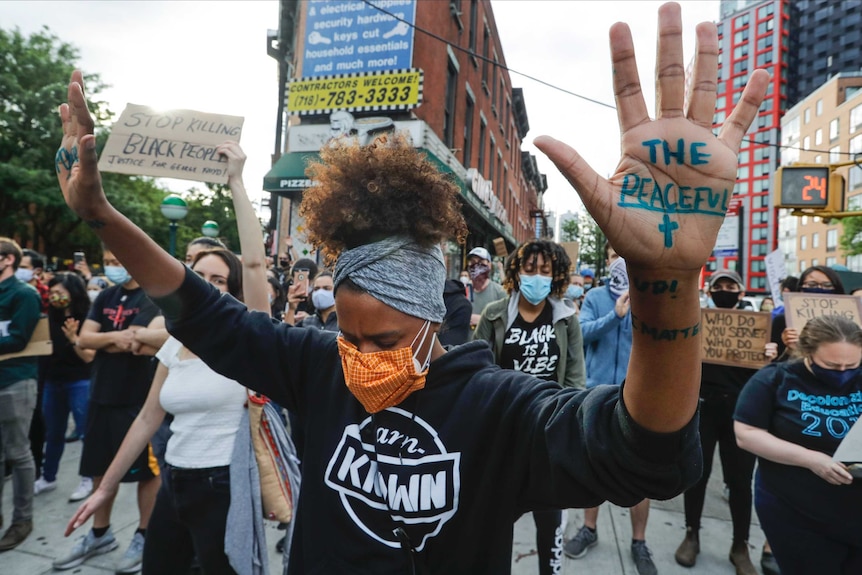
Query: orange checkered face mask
[384,378]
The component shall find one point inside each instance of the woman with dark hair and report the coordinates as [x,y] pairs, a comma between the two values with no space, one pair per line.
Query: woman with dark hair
[816,279]
[190,515]
[793,415]
[67,376]
[536,331]
[419,459]
[200,244]
[275,293]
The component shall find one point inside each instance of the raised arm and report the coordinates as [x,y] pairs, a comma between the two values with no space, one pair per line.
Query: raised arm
[76,164]
[254,286]
[662,208]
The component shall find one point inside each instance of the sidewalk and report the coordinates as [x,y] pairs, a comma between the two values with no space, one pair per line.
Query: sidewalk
[611,556]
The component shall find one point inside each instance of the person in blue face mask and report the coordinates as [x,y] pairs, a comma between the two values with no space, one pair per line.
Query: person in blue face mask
[575,292]
[535,330]
[793,415]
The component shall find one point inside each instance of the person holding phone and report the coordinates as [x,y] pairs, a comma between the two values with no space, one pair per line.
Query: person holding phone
[412,450]
[298,305]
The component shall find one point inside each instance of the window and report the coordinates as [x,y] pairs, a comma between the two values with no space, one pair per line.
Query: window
[802,267]
[740,52]
[855,178]
[491,153]
[806,143]
[807,115]
[474,17]
[740,36]
[831,240]
[765,26]
[804,220]
[468,130]
[486,42]
[764,43]
[818,137]
[790,131]
[830,262]
[483,134]
[814,262]
[740,67]
[764,58]
[835,154]
[815,241]
[803,242]
[494,84]
[741,21]
[449,105]
[855,118]
[765,11]
[856,144]
[819,107]
[833,129]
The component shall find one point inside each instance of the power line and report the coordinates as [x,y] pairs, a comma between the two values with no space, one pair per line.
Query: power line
[559,88]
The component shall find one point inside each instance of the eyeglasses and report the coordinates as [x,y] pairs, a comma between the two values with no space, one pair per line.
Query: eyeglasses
[818,285]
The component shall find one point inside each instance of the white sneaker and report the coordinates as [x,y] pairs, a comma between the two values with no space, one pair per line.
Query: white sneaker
[85,488]
[133,557]
[42,486]
[87,546]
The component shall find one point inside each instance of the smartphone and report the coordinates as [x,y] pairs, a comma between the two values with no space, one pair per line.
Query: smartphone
[300,278]
[79,257]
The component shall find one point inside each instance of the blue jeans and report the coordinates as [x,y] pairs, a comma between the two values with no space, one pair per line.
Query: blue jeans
[802,545]
[58,400]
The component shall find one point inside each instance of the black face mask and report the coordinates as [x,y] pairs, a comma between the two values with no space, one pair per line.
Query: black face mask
[725,299]
[818,290]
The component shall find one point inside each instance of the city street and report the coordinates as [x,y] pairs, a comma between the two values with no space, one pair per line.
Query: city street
[611,556]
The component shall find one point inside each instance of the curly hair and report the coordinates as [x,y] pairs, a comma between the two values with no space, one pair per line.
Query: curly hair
[366,193]
[553,252]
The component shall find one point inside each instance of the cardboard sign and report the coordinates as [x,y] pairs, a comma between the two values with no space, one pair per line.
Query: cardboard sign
[735,337]
[39,344]
[572,249]
[776,271]
[500,247]
[172,144]
[799,308]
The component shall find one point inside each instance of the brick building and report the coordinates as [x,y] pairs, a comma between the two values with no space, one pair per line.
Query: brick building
[456,99]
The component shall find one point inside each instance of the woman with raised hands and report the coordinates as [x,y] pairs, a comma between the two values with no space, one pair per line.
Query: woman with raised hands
[412,449]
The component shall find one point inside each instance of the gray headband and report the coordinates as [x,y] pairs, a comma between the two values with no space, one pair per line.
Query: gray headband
[399,273]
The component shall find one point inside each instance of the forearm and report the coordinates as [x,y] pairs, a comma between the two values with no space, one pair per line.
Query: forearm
[97,340]
[763,444]
[663,378]
[86,355]
[251,246]
[156,271]
[152,337]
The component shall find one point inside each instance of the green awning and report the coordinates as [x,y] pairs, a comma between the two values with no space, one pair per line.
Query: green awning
[287,176]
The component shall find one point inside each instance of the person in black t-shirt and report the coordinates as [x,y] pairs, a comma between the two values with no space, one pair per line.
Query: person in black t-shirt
[536,331]
[119,384]
[793,415]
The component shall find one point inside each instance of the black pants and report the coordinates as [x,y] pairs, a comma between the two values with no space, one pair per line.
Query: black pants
[803,546]
[189,518]
[549,541]
[716,426]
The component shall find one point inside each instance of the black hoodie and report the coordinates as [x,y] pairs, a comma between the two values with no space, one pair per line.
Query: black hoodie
[455,329]
[454,465]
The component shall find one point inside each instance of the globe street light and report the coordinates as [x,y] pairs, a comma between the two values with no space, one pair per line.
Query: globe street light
[210,229]
[174,208]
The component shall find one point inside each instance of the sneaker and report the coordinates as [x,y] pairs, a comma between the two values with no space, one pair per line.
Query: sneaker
[16,534]
[642,557]
[133,557]
[769,564]
[577,546]
[87,546]
[85,488]
[43,486]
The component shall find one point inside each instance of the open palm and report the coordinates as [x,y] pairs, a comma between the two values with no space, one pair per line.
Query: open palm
[666,201]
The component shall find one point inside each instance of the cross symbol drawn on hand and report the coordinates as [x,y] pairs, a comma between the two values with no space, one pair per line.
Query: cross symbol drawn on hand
[667,227]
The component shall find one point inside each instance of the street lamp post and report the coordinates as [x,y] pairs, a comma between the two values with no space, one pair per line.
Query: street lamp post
[210,229]
[174,208]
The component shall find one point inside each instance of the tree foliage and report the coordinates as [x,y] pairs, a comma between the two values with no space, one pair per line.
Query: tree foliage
[34,74]
[570,230]
[851,239]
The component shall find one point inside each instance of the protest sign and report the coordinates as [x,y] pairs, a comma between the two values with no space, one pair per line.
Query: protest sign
[735,337]
[170,144]
[776,271]
[800,307]
[40,342]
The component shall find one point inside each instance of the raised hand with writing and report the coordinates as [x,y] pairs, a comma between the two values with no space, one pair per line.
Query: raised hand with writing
[665,203]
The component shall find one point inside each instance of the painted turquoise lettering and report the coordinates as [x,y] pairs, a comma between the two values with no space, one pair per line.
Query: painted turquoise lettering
[652,145]
[630,191]
[683,198]
[679,154]
[697,158]
[671,206]
[698,196]
[656,200]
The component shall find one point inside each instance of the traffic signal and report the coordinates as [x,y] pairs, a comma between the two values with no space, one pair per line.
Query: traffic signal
[814,187]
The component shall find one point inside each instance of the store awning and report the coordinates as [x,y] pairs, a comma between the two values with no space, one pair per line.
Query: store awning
[287,176]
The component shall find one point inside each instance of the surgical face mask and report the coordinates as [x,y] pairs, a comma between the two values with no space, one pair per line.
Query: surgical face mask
[385,378]
[117,274]
[535,288]
[323,298]
[25,275]
[574,292]
[725,299]
[93,294]
[834,377]
[587,287]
